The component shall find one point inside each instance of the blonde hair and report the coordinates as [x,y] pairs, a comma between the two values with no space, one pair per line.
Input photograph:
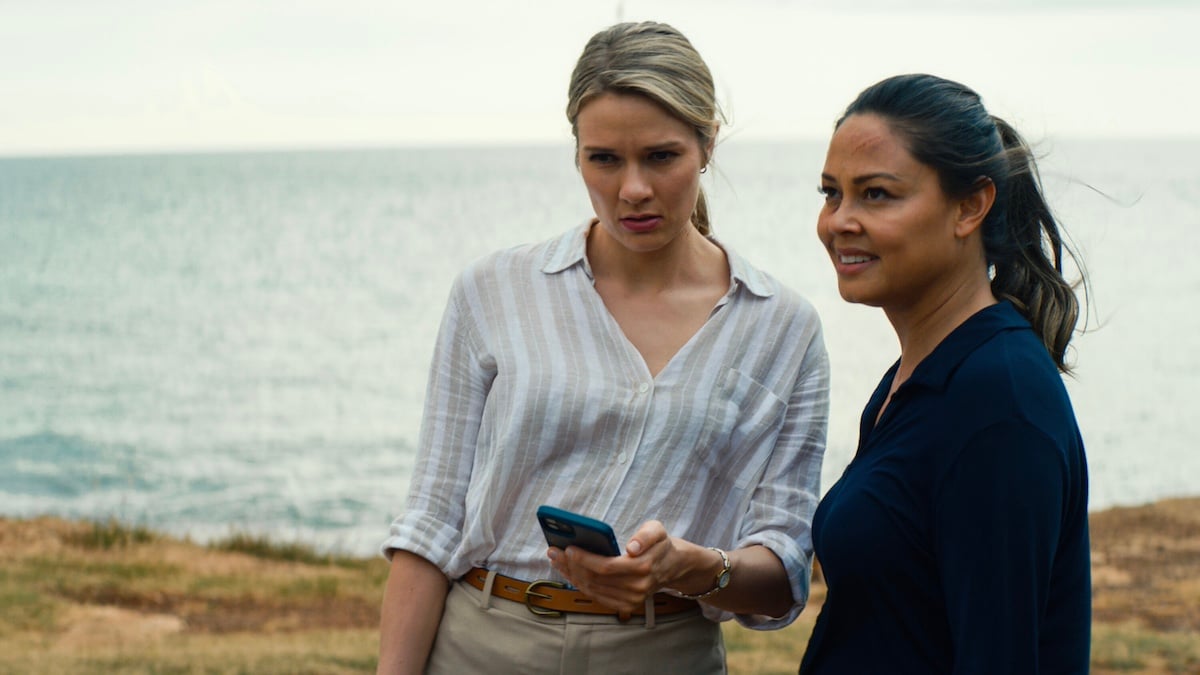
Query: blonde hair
[656,61]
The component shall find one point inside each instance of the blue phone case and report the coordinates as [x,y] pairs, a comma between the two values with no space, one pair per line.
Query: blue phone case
[564,528]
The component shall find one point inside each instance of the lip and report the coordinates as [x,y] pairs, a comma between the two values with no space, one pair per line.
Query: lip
[852,260]
[641,222]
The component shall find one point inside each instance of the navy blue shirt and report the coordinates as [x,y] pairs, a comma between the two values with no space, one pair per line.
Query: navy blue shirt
[956,541]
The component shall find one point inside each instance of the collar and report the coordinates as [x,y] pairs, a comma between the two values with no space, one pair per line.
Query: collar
[570,249]
[936,369]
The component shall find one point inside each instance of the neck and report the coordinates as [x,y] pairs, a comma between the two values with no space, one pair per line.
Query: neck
[687,259]
[921,329]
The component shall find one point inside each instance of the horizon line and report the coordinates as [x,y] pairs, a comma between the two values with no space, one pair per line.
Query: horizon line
[466,144]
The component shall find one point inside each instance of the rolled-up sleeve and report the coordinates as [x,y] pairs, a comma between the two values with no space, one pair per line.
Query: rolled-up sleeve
[781,508]
[460,376]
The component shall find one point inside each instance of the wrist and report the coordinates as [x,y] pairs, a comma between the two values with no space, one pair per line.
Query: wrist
[710,578]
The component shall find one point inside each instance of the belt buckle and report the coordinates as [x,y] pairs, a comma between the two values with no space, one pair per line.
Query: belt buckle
[530,595]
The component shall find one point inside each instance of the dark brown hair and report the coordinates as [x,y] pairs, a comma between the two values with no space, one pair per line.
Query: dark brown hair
[945,126]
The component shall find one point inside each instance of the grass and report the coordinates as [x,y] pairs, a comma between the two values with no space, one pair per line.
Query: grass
[773,652]
[1128,648]
[110,534]
[95,598]
[266,549]
[314,653]
[107,598]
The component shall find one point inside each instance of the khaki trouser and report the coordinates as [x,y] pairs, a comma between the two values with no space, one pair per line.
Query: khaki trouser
[486,634]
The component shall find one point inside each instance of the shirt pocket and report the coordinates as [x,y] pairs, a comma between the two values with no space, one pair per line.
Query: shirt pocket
[743,420]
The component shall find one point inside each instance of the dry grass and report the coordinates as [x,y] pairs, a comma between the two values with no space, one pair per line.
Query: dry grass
[104,598]
[311,652]
[773,652]
[100,598]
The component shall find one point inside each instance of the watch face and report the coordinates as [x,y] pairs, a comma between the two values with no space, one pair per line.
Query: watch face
[723,580]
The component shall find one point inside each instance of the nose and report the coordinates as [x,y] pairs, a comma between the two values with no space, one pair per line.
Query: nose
[635,188]
[839,219]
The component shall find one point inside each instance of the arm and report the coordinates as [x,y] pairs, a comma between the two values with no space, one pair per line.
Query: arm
[460,377]
[779,516]
[654,561]
[758,581]
[771,563]
[412,610]
[423,538]
[998,514]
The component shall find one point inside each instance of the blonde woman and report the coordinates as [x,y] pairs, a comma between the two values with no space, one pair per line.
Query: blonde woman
[634,370]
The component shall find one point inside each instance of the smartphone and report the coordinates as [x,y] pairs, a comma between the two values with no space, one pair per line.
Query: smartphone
[563,529]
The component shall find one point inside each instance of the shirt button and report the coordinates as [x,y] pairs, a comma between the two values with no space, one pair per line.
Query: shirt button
[621,458]
[643,388]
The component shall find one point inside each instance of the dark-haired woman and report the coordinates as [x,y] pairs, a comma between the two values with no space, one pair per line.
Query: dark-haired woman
[956,541]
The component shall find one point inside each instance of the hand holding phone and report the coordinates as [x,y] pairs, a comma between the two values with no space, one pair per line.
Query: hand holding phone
[564,528]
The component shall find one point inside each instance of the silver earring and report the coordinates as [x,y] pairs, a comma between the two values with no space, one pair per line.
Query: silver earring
[704,169]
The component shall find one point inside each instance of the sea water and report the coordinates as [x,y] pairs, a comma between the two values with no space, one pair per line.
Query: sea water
[218,343]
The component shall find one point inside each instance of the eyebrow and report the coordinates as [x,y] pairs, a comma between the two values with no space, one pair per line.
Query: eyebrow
[669,145]
[866,178]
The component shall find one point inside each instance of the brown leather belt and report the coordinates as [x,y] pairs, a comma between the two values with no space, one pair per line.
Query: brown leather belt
[551,598]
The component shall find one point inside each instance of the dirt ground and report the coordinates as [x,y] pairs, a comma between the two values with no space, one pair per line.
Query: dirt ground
[1145,561]
[1146,565]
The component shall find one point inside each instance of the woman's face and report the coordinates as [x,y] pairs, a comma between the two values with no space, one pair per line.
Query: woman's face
[889,228]
[641,167]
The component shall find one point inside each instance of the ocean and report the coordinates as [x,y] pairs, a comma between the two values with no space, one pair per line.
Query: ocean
[209,344]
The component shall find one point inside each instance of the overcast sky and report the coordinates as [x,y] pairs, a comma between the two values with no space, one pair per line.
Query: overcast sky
[161,75]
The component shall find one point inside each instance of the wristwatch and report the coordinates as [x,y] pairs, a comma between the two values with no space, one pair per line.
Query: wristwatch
[722,579]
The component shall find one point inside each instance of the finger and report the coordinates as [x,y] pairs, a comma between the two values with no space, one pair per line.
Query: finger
[618,583]
[557,559]
[578,566]
[609,579]
[650,533]
[614,597]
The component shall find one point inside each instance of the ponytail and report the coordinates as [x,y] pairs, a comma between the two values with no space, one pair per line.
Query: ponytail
[1025,249]
[700,217]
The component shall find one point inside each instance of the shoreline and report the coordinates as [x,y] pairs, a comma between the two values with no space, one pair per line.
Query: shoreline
[334,544]
[87,597]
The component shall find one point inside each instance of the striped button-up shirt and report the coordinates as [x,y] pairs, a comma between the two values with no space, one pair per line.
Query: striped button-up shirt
[535,396]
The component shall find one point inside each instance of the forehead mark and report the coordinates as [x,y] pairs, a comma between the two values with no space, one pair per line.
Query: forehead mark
[869,141]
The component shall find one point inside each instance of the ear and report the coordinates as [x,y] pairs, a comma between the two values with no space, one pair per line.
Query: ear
[973,208]
[712,142]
